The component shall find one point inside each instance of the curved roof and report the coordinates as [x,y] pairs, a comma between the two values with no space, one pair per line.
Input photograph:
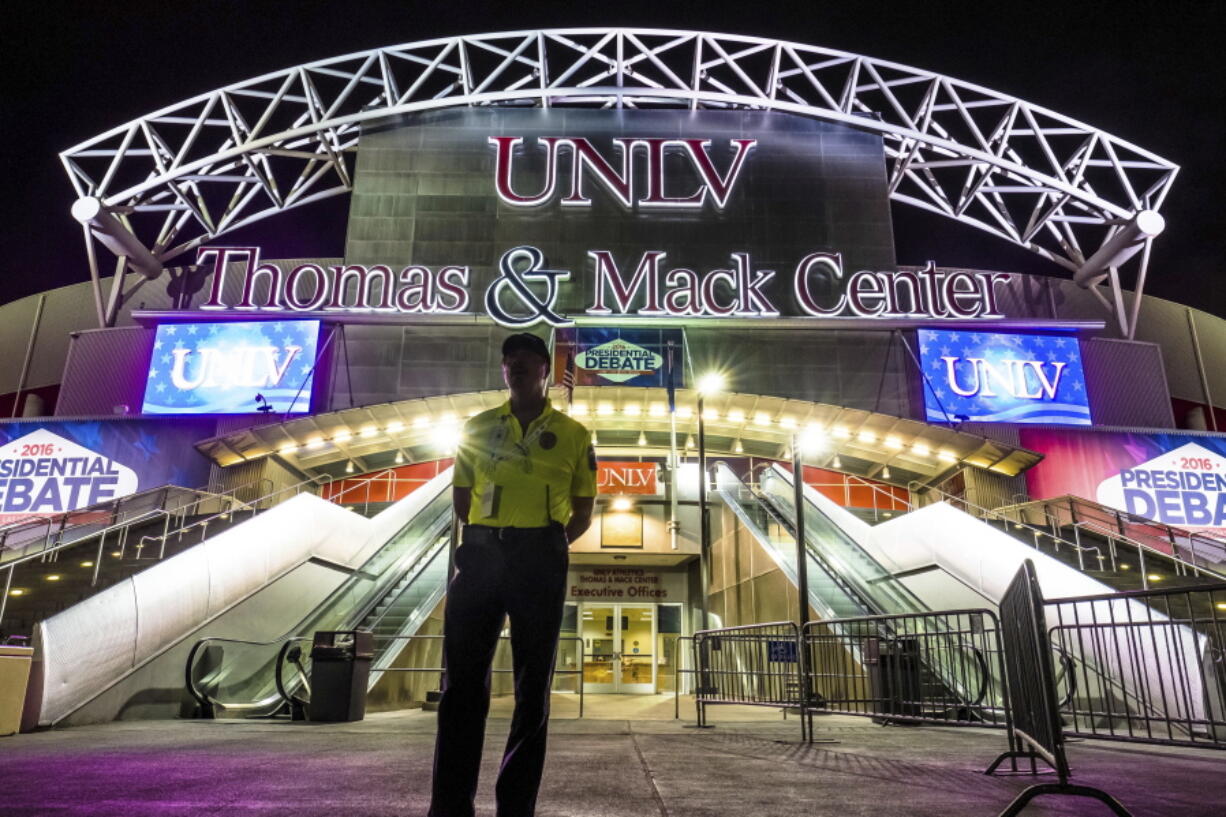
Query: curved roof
[165,183]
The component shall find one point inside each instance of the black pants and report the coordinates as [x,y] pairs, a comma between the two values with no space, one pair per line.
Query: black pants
[519,573]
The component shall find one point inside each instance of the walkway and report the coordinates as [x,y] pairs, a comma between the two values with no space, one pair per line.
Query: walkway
[627,759]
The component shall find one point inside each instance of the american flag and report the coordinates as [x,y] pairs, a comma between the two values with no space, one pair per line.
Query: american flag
[568,376]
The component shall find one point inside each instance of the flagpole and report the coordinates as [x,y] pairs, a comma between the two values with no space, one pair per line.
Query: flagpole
[673,466]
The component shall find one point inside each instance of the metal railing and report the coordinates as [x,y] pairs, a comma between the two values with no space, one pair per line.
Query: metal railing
[95,543]
[1092,555]
[1192,553]
[1150,665]
[939,667]
[750,665]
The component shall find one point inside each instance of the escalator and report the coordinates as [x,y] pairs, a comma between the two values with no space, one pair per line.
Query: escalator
[392,593]
[846,582]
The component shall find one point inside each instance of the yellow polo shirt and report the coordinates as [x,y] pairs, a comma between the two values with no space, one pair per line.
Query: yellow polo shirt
[524,479]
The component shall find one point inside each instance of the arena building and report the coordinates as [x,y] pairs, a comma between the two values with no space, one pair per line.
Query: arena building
[213,453]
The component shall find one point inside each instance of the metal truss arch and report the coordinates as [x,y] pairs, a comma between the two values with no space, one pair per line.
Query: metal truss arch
[168,182]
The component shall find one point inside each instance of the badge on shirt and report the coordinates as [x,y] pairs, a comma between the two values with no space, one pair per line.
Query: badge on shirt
[489,501]
[548,440]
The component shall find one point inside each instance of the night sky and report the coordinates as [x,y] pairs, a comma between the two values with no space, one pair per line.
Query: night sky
[1150,73]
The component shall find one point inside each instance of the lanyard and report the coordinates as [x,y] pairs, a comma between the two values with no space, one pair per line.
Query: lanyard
[499,435]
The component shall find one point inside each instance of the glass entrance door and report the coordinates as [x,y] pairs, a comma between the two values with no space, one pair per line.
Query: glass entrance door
[618,642]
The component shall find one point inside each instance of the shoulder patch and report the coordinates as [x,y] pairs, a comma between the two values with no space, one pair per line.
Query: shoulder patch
[591,457]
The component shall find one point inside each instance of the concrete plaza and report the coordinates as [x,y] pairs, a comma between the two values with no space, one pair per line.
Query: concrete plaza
[626,758]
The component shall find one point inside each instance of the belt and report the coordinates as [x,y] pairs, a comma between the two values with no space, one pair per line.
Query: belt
[489,533]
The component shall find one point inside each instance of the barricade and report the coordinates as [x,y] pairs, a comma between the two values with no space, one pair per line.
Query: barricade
[1144,666]
[754,665]
[1033,701]
[939,667]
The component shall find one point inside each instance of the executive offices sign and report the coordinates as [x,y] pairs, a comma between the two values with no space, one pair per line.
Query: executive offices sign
[532,216]
[994,377]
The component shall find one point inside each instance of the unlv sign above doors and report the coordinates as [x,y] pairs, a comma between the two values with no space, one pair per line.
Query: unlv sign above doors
[703,182]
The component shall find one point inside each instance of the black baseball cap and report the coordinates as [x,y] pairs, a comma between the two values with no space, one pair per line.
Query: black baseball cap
[528,341]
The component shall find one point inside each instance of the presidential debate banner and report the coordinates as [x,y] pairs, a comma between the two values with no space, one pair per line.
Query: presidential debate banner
[999,377]
[232,367]
[49,468]
[1178,479]
[620,357]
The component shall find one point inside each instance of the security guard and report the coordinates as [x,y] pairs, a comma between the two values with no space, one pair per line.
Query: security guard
[525,483]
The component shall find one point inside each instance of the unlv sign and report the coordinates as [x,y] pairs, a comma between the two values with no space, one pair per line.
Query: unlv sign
[645,176]
[617,176]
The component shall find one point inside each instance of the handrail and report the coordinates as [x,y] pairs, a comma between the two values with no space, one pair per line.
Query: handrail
[1135,526]
[907,504]
[290,635]
[1036,533]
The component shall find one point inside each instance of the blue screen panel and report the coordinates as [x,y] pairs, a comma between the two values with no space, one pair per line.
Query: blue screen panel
[219,368]
[996,377]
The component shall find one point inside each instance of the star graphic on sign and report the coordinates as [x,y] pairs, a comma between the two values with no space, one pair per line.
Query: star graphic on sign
[1071,356]
[161,387]
[157,344]
[191,330]
[923,349]
[1052,355]
[939,393]
[1060,342]
[976,338]
[944,351]
[276,327]
[306,369]
[1076,385]
[170,329]
[1039,341]
[936,364]
[153,373]
[165,358]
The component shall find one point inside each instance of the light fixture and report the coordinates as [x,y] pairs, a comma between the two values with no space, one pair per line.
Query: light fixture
[689,441]
[52,577]
[116,553]
[1125,567]
[642,438]
[841,432]
[736,416]
[885,472]
[711,383]
[594,440]
[920,450]
[836,463]
[867,437]
[578,409]
[761,418]
[685,413]
[288,448]
[787,422]
[447,418]
[657,410]
[1153,577]
[349,467]
[633,410]
[420,421]
[399,457]
[396,426]
[710,414]
[737,448]
[315,442]
[87,564]
[604,409]
[893,442]
[622,504]
[947,456]
[811,439]
[370,431]
[1221,605]
[17,591]
[342,436]
[448,438]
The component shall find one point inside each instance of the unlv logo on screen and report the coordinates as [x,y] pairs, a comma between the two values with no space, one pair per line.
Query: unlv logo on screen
[699,182]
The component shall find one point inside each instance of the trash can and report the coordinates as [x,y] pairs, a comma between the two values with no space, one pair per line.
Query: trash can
[894,677]
[14,677]
[340,667]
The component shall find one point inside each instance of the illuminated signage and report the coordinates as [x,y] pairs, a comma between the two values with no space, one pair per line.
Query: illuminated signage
[989,377]
[627,478]
[619,356]
[232,368]
[618,181]
[525,291]
[1185,487]
[43,473]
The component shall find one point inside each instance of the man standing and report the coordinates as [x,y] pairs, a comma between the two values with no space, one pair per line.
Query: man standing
[525,485]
